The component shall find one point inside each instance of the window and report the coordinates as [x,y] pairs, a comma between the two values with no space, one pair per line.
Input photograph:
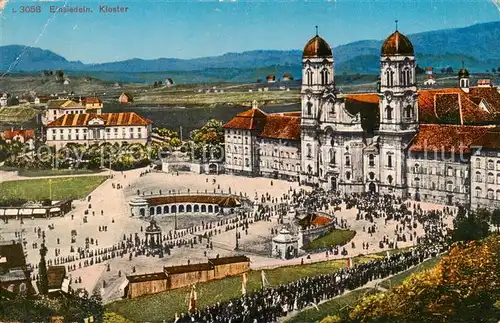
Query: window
[309,151]
[406,77]
[309,169]
[498,178]
[309,77]
[389,161]
[478,177]
[449,186]
[450,171]
[247,162]
[348,160]
[389,76]
[490,194]
[348,176]
[246,140]
[371,176]
[333,156]
[408,112]
[490,164]
[388,112]
[246,150]
[416,169]
[498,164]
[478,191]
[371,160]
[324,76]
[417,182]
[131,129]
[498,195]
[478,163]
[309,108]
[491,178]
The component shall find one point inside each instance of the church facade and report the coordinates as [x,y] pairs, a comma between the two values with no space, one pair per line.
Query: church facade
[439,145]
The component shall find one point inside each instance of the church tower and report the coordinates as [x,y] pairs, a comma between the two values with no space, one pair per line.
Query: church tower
[463,79]
[317,75]
[398,109]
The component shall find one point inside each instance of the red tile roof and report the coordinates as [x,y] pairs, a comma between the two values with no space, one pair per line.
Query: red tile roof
[447,138]
[91,100]
[25,133]
[279,126]
[363,97]
[454,106]
[490,140]
[223,201]
[251,119]
[110,119]
[320,221]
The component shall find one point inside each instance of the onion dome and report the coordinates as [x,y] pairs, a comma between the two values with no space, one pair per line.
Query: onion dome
[317,47]
[397,44]
[463,73]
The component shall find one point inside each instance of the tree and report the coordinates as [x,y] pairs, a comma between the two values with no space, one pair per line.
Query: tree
[59,75]
[463,287]
[419,70]
[493,70]
[471,225]
[495,219]
[443,70]
[449,70]
[43,283]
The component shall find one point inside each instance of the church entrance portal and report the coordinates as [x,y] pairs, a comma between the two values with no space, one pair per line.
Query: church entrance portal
[212,169]
[372,188]
[333,182]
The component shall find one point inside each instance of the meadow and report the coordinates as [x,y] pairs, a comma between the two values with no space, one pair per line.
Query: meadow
[152,307]
[50,188]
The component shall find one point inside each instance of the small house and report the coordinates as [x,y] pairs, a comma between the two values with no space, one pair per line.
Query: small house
[92,104]
[287,77]
[484,83]
[271,78]
[169,82]
[125,98]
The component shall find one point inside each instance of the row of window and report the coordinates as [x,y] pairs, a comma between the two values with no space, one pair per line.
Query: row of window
[325,76]
[407,112]
[405,77]
[490,194]
[93,136]
[108,130]
[490,164]
[490,178]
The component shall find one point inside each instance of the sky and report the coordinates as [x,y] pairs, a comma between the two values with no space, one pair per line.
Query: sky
[189,28]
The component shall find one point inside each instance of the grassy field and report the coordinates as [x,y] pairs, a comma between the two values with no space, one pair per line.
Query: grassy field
[153,307]
[331,307]
[39,189]
[55,172]
[399,278]
[332,238]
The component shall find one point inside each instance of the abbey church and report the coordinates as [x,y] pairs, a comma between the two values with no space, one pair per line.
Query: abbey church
[437,145]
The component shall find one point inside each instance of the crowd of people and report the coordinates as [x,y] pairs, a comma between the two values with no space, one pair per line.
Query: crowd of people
[270,303]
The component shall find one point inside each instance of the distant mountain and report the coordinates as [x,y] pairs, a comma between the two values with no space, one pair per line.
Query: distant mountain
[477,45]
